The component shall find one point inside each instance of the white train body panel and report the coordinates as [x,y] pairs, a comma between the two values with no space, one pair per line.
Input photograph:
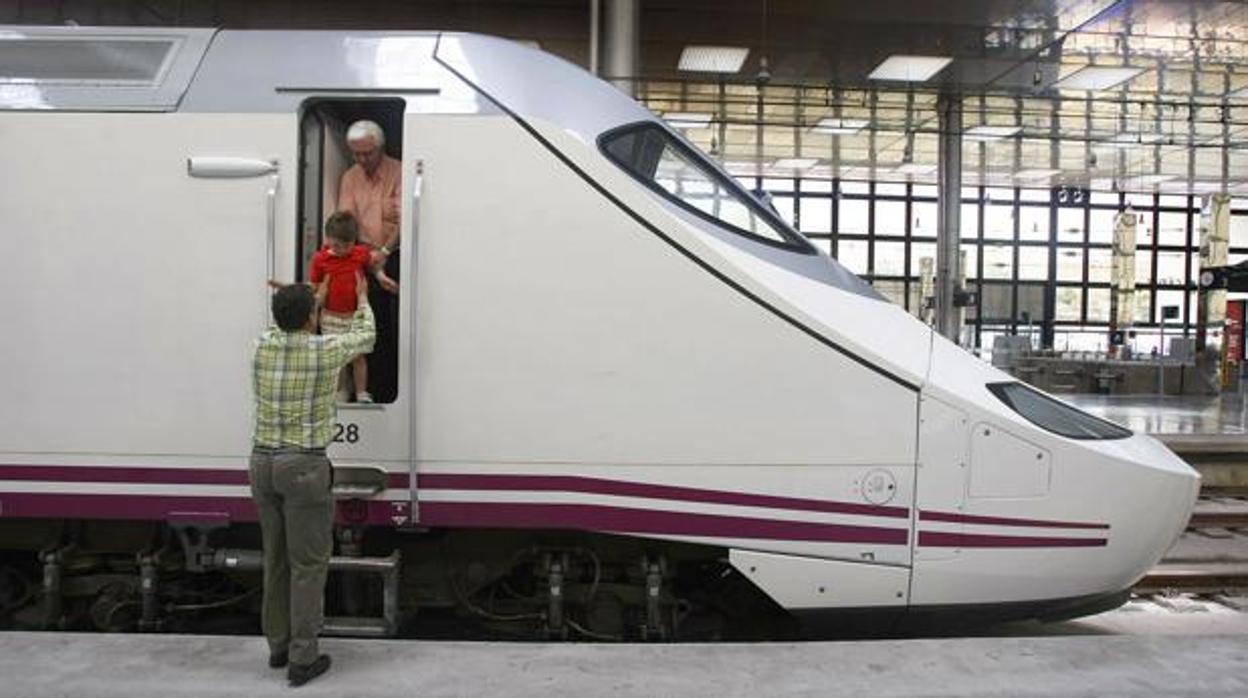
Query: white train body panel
[102,344]
[1094,493]
[576,351]
[633,344]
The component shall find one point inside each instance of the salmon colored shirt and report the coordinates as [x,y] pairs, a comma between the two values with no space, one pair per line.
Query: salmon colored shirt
[366,197]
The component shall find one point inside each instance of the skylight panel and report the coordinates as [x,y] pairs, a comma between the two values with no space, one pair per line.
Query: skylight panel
[686,119]
[1036,174]
[991,133]
[1127,139]
[712,59]
[839,127]
[909,68]
[795,163]
[1097,77]
[914,168]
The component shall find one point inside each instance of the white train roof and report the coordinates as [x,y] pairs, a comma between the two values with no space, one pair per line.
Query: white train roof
[206,70]
[537,85]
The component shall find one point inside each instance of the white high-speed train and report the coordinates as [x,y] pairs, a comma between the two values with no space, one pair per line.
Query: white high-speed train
[620,380]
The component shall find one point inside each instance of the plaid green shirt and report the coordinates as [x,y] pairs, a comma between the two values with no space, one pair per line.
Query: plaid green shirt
[293,378]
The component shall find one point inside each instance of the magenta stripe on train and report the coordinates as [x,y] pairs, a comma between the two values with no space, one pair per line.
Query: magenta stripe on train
[461,514]
[144,475]
[940,539]
[537,483]
[594,485]
[626,520]
[437,481]
[493,514]
[951,517]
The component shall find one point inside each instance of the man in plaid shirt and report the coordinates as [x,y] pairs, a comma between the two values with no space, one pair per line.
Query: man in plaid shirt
[294,374]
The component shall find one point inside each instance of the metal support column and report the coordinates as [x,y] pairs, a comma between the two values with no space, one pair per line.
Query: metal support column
[621,23]
[948,218]
[595,36]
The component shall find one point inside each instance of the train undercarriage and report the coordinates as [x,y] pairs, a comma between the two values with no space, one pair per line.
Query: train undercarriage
[443,583]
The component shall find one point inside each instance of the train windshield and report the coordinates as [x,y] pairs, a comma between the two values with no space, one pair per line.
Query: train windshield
[1055,416]
[665,164]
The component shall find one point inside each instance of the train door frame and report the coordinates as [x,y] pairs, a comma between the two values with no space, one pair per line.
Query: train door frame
[323,157]
[371,445]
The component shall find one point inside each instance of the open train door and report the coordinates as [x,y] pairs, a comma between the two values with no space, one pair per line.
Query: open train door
[372,442]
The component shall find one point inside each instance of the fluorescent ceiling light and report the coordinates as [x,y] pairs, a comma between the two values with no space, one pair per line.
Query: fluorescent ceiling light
[909,68]
[991,133]
[1198,186]
[795,163]
[1036,174]
[914,168]
[688,119]
[839,127]
[1126,140]
[1147,180]
[1211,187]
[1097,77]
[741,166]
[712,59]
[1145,183]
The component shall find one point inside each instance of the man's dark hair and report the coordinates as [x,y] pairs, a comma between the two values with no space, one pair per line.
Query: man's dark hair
[342,226]
[293,305]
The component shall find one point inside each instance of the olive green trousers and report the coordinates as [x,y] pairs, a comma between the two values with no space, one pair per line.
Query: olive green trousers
[292,489]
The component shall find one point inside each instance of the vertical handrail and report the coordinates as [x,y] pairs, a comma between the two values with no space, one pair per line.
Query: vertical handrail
[413,266]
[270,247]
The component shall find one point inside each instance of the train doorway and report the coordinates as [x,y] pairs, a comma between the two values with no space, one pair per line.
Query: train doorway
[324,162]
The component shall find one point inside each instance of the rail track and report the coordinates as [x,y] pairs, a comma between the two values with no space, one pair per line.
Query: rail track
[1212,555]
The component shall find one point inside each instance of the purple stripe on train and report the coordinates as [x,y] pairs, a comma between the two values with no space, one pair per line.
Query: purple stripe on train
[438,481]
[626,520]
[950,517]
[594,485]
[145,475]
[938,539]
[458,514]
[581,516]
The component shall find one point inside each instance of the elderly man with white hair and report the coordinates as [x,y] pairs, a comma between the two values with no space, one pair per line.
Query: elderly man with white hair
[370,189]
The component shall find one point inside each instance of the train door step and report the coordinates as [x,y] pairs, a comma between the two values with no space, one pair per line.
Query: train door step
[349,626]
[359,626]
[358,481]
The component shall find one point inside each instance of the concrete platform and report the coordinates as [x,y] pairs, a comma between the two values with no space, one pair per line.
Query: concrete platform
[1211,433]
[33,665]
[1194,415]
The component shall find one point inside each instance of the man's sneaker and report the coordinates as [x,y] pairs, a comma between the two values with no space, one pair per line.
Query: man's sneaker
[277,660]
[299,674]
[344,396]
[364,397]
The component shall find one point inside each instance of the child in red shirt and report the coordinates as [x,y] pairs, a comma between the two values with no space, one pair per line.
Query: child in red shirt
[335,268]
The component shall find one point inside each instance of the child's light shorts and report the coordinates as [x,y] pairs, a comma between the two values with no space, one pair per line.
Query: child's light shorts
[335,323]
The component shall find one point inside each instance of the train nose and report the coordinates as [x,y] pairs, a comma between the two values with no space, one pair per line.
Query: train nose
[1165,490]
